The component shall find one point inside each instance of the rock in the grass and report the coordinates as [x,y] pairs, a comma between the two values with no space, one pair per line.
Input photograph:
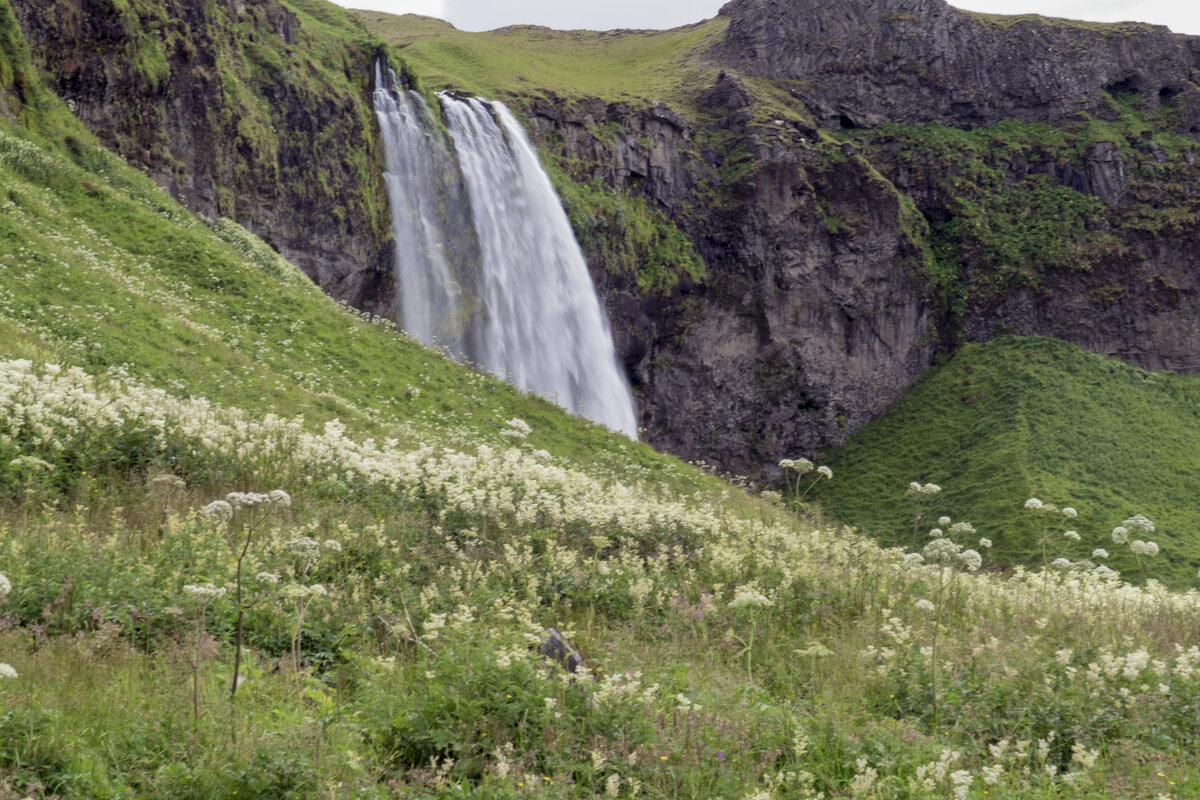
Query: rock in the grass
[559,648]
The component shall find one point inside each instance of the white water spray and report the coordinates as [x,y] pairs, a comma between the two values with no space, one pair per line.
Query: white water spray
[512,292]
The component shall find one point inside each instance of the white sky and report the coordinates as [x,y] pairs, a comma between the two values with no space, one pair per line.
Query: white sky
[1182,16]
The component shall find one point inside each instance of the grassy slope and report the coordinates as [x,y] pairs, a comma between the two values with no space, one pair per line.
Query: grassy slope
[1019,418]
[102,270]
[634,66]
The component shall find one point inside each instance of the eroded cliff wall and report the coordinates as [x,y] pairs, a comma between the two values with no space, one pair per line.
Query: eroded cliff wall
[940,177]
[250,109]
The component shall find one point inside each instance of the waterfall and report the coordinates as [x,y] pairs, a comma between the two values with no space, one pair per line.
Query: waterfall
[486,262]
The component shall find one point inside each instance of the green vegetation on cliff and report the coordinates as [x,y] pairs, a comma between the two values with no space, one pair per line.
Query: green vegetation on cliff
[1014,203]
[1016,418]
[627,236]
[241,109]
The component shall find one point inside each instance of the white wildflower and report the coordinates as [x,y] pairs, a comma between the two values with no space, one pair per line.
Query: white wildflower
[864,779]
[925,605]
[801,466]
[1061,563]
[985,543]
[1148,549]
[332,545]
[278,497]
[749,597]
[1070,513]
[1033,504]
[963,528]
[1099,552]
[941,550]
[1140,523]
[517,428]
[1120,534]
[825,472]
[302,546]
[205,591]
[1072,535]
[943,521]
[6,671]
[960,781]
[971,560]
[218,509]
[5,586]
[271,578]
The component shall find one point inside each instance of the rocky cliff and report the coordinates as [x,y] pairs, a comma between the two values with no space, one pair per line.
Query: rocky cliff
[862,64]
[250,109]
[813,314]
[938,177]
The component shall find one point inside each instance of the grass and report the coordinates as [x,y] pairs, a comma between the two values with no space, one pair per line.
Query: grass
[1015,418]
[637,67]
[1008,21]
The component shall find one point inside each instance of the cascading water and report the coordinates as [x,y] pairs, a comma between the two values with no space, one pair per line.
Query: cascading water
[509,289]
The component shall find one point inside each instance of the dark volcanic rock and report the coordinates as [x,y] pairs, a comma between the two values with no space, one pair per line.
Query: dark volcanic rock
[813,317]
[819,308]
[860,63]
[228,109]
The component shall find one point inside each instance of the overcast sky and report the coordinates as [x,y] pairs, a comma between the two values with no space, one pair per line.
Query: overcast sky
[1182,16]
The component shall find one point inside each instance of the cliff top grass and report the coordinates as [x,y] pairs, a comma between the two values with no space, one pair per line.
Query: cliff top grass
[1014,419]
[639,67]
[1106,28]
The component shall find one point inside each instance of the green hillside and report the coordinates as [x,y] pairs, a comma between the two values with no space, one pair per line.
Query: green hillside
[253,545]
[1013,419]
[634,66]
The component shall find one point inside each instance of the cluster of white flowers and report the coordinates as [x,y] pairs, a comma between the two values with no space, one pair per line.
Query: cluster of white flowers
[276,497]
[800,466]
[749,597]
[219,510]
[1120,535]
[926,490]
[1148,549]
[825,472]
[6,671]
[941,550]
[303,546]
[298,591]
[971,560]
[204,592]
[517,429]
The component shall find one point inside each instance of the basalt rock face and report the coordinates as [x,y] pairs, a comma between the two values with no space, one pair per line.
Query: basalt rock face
[861,63]
[842,261]
[237,111]
[813,317]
